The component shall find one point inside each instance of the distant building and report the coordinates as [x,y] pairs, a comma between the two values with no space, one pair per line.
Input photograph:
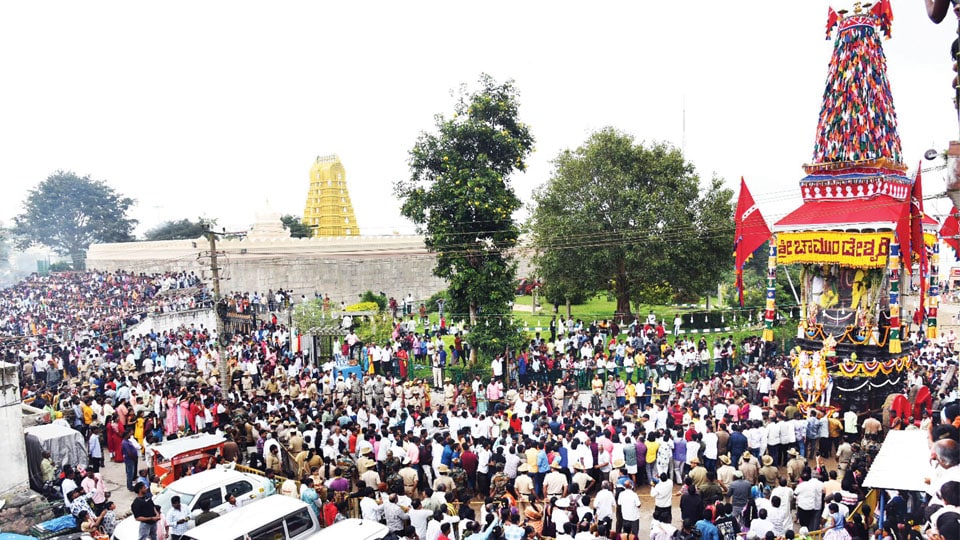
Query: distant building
[328,209]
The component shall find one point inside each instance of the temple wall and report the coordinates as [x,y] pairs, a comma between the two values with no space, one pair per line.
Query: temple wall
[12,446]
[163,322]
[342,268]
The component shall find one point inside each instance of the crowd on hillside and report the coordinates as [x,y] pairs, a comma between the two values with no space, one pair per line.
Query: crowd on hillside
[567,440]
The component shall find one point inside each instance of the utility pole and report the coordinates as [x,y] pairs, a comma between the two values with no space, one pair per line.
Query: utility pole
[215,270]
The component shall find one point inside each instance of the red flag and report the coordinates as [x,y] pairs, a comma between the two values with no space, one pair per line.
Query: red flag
[903,236]
[917,244]
[950,231]
[832,19]
[752,231]
[882,11]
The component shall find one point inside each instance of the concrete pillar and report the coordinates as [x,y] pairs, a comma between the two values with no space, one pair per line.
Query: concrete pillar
[12,448]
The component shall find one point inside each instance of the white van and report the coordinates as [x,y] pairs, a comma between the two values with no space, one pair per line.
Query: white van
[212,486]
[354,529]
[274,518]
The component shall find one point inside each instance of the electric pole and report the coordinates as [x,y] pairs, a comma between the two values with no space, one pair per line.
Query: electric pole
[215,271]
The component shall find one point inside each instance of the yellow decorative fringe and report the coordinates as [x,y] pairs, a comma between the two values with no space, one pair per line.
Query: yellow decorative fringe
[767,334]
[895,346]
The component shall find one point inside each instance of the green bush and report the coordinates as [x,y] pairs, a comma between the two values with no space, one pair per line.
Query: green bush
[370,296]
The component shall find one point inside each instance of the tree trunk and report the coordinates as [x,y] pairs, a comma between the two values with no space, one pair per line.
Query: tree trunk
[473,324]
[569,312]
[79,260]
[622,293]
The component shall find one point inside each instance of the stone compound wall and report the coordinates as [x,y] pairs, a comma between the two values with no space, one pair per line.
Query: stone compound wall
[163,322]
[342,268]
[12,447]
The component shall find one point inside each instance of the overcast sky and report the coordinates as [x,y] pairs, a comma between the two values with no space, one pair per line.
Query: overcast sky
[211,108]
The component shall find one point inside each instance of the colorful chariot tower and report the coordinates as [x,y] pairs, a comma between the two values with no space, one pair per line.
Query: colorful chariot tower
[853,236]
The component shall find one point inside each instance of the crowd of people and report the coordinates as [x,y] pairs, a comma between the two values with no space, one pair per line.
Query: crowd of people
[567,440]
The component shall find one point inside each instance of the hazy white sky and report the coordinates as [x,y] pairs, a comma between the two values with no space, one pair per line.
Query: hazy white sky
[210,108]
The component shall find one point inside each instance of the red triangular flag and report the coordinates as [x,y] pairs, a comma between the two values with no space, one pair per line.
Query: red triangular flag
[903,236]
[917,244]
[950,231]
[882,11]
[832,19]
[751,232]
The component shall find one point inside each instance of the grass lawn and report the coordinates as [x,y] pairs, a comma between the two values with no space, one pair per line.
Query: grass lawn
[598,307]
[601,307]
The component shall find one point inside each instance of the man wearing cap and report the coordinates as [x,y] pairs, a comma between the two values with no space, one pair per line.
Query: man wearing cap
[444,479]
[725,471]
[523,483]
[795,466]
[768,472]
[409,476]
[449,393]
[749,468]
[555,483]
[698,473]
[580,477]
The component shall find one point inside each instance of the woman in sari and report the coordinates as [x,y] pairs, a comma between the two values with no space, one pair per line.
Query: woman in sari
[183,411]
[115,438]
[193,410]
[170,424]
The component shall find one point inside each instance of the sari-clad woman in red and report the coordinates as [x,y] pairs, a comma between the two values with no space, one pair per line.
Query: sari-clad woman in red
[192,413]
[402,363]
[114,439]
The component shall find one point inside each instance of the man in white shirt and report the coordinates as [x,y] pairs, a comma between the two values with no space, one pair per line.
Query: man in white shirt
[178,518]
[710,442]
[662,494]
[629,504]
[604,503]
[809,494]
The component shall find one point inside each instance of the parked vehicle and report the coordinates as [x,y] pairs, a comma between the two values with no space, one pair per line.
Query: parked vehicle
[171,459]
[354,529]
[272,518]
[213,486]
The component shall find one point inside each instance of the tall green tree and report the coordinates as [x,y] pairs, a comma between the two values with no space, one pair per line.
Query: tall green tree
[296,226]
[631,219]
[183,229]
[459,196]
[67,213]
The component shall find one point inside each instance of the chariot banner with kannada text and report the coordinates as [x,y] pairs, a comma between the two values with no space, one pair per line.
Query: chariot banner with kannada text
[859,250]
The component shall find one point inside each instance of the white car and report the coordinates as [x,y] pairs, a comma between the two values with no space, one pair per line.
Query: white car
[354,529]
[274,518]
[214,486]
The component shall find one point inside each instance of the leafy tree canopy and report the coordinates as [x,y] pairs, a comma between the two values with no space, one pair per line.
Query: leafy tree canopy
[183,229]
[459,196]
[296,226]
[67,213]
[632,219]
